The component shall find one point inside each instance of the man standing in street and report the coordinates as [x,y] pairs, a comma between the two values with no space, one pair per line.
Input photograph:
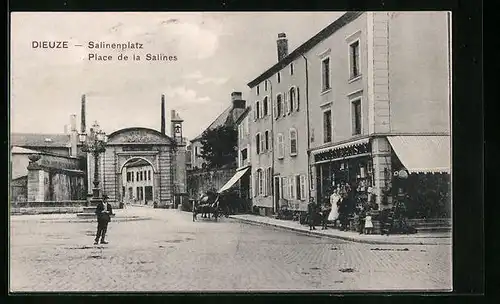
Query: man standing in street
[103,212]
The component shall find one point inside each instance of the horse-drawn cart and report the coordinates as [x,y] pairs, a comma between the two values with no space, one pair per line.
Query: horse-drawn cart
[209,206]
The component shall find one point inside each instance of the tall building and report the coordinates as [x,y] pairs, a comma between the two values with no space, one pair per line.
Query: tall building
[364,99]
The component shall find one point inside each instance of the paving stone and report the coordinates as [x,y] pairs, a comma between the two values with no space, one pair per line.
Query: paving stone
[172,253]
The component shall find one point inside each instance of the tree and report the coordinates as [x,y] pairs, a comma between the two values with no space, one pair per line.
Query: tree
[219,146]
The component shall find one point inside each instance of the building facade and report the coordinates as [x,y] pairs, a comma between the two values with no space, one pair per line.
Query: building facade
[353,105]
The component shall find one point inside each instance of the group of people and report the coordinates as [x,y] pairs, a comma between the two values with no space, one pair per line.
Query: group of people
[337,208]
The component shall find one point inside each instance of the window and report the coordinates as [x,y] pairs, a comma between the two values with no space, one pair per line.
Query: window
[257,110]
[356,117]
[278,76]
[256,183]
[291,193]
[269,181]
[128,176]
[293,99]
[291,68]
[265,107]
[298,188]
[281,146]
[243,157]
[354,59]
[149,175]
[287,104]
[195,151]
[293,142]
[285,189]
[265,85]
[264,182]
[257,143]
[327,126]
[132,176]
[267,140]
[302,187]
[261,179]
[258,90]
[137,176]
[325,74]
[279,106]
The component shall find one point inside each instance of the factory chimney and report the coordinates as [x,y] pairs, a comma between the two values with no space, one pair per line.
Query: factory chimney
[163,114]
[83,126]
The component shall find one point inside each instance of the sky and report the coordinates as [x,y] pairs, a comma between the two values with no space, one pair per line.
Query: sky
[217,53]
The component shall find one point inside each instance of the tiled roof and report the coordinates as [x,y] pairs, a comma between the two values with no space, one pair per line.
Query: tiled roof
[219,121]
[39,140]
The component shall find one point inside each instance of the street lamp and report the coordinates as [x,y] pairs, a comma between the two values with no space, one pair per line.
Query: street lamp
[94,143]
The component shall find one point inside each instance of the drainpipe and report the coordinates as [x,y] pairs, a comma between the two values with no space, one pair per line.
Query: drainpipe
[271,109]
[308,127]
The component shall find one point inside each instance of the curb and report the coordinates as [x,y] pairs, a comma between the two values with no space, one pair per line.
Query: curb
[321,235]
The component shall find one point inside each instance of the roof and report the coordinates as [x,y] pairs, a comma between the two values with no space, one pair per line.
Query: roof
[243,115]
[20,150]
[40,140]
[306,46]
[219,121]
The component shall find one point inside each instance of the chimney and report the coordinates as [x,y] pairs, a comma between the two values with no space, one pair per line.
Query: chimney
[163,114]
[73,136]
[282,44]
[237,100]
[83,127]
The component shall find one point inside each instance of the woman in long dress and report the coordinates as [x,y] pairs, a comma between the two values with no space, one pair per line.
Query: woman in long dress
[334,199]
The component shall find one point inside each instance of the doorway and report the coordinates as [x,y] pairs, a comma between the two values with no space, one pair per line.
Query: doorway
[277,193]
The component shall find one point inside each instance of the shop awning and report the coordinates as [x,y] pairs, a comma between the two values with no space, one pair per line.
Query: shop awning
[423,154]
[341,146]
[233,180]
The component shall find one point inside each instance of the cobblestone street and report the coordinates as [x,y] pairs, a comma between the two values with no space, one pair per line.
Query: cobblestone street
[171,253]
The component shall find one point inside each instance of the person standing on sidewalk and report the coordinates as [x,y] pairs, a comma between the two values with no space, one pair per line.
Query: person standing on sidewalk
[326,208]
[311,209]
[103,212]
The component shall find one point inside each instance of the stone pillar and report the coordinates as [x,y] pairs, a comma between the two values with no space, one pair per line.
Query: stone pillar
[36,181]
[381,152]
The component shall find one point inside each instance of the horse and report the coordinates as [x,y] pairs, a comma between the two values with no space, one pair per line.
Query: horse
[208,206]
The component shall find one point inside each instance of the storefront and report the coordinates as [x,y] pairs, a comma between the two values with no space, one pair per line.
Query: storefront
[421,174]
[346,164]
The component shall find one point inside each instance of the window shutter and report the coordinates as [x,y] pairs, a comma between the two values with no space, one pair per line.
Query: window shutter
[271,143]
[302,187]
[264,184]
[297,95]
[255,183]
[275,108]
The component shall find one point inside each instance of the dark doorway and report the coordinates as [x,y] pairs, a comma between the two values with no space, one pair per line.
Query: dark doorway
[148,193]
[277,193]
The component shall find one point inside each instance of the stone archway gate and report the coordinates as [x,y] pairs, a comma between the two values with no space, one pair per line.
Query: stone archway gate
[126,144]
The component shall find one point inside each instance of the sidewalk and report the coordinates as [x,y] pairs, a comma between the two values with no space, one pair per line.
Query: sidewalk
[437,238]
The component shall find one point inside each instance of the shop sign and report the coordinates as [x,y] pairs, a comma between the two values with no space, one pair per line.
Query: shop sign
[342,153]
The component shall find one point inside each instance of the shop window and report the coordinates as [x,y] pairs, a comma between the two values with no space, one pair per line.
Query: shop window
[327,126]
[356,117]
[281,146]
[293,142]
[325,74]
[354,59]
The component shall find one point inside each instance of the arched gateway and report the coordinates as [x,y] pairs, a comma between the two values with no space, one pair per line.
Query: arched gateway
[143,165]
